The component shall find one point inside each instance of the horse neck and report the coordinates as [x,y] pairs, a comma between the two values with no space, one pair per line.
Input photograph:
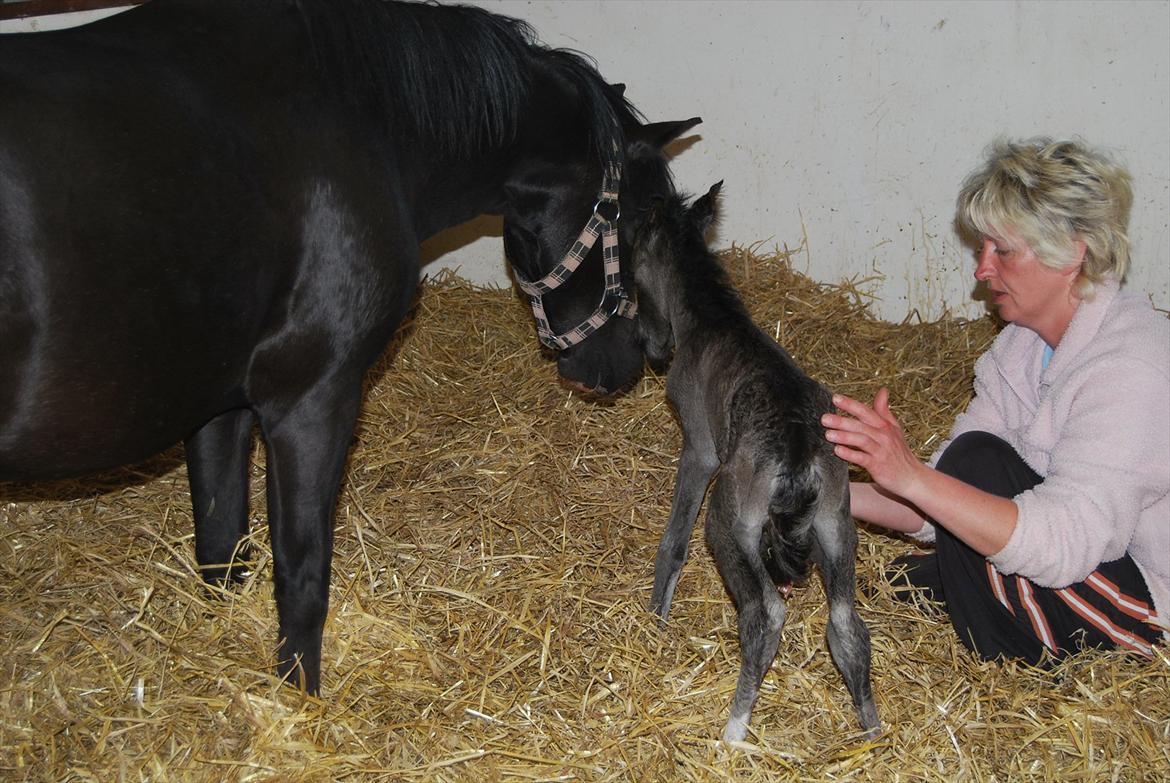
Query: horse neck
[702,301]
[450,86]
[459,185]
[448,191]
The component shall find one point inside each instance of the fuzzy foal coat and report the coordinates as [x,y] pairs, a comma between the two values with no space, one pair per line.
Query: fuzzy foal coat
[747,411]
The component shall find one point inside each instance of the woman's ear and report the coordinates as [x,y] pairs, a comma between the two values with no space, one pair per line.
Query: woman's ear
[1074,267]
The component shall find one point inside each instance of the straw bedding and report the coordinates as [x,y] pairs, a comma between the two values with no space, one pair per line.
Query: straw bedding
[494,548]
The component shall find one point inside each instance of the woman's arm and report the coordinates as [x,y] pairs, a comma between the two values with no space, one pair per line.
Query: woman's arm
[872,504]
[872,438]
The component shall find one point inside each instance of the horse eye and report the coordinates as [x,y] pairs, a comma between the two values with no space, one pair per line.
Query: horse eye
[522,250]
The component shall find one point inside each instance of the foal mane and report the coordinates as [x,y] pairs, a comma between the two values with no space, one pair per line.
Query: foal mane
[457,77]
[704,283]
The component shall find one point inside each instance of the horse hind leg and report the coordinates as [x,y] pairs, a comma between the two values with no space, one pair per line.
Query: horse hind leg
[217,469]
[836,553]
[733,539]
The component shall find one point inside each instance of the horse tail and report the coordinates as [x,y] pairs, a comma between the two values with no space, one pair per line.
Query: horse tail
[786,538]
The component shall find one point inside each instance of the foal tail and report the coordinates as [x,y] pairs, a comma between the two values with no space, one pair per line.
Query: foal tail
[786,539]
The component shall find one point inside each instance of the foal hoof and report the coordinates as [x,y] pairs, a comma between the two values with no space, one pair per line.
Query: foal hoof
[736,730]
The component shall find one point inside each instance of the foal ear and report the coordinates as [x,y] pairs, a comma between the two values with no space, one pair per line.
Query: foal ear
[702,212]
[660,134]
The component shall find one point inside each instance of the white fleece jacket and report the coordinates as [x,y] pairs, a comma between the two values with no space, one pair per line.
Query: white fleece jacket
[1096,425]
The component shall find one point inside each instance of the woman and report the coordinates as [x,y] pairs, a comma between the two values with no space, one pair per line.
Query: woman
[1049,505]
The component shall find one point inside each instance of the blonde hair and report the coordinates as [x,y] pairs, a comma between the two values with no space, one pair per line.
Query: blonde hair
[1053,193]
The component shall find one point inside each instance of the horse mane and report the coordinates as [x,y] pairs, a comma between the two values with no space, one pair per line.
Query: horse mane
[455,76]
[704,284]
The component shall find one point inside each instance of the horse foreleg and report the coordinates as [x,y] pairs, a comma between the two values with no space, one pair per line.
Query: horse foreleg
[217,468]
[695,467]
[306,448]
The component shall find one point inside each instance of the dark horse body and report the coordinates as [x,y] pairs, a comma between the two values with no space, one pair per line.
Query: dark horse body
[210,214]
[751,418]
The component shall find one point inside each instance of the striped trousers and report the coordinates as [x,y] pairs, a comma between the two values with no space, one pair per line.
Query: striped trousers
[1008,615]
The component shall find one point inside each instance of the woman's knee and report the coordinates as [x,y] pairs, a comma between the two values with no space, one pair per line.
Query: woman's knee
[973,451]
[988,462]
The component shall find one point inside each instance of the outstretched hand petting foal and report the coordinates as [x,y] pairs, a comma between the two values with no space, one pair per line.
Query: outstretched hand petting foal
[872,438]
[905,492]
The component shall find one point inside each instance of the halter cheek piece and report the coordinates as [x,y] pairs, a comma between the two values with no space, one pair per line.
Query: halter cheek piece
[614,299]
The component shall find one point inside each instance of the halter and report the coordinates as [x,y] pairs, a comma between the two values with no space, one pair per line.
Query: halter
[614,299]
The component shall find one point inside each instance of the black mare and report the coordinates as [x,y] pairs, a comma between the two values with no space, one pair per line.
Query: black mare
[210,214]
[750,418]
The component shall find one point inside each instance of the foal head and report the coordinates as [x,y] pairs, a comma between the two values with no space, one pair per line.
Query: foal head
[669,246]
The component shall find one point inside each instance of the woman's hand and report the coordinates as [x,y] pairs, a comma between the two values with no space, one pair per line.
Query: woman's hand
[872,438]
[909,491]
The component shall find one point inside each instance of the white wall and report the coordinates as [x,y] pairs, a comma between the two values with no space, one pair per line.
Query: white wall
[35,24]
[852,123]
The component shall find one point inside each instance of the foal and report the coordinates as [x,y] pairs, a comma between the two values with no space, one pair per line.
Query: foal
[781,497]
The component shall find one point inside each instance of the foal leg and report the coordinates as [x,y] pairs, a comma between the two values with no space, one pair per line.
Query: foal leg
[307,447]
[217,468]
[695,468]
[733,536]
[836,554]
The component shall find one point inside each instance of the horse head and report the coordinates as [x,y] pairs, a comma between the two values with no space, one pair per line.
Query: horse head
[586,313]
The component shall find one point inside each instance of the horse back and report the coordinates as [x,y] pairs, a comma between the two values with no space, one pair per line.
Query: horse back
[168,178]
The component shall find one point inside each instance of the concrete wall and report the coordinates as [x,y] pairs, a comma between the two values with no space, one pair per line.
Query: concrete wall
[56,21]
[851,124]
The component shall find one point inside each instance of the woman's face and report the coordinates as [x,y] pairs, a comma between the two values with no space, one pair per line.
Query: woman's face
[1024,290]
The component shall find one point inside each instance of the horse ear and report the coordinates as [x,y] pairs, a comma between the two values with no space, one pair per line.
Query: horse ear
[702,212]
[619,88]
[660,134]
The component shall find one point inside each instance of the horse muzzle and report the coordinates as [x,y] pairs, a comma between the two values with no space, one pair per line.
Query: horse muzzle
[591,393]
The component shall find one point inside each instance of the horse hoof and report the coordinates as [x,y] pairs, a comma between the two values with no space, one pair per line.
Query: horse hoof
[219,578]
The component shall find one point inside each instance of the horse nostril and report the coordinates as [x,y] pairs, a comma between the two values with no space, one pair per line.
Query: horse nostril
[581,388]
[586,391]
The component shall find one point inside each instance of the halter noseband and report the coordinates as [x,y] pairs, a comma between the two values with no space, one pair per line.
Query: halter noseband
[614,299]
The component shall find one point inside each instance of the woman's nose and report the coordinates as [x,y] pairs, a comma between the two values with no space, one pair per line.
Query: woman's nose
[983,269]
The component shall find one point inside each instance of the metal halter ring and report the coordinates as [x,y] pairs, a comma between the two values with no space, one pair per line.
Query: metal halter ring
[610,201]
[615,301]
